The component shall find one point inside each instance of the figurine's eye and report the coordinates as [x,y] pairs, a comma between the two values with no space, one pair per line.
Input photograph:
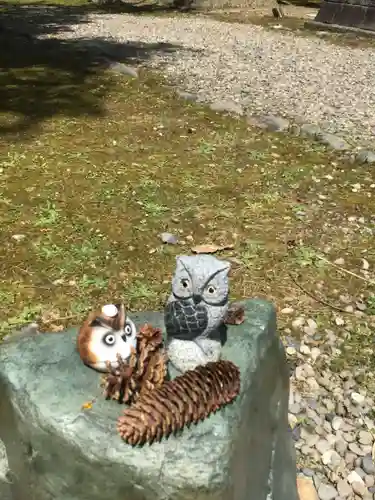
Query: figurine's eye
[185,283]
[128,330]
[109,339]
[211,289]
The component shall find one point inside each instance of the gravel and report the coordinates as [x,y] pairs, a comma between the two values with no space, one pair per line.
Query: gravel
[263,71]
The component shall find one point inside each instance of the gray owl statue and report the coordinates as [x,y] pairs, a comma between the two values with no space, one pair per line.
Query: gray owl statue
[195,311]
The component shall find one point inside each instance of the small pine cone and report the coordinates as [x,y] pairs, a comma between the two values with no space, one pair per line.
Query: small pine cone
[186,399]
[145,370]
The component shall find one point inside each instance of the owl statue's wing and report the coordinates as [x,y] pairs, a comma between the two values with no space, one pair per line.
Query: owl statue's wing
[184,321]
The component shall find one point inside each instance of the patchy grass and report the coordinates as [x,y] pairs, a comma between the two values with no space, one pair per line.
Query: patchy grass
[84,198]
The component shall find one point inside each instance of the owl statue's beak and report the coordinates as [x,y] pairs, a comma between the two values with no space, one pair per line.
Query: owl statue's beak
[197,298]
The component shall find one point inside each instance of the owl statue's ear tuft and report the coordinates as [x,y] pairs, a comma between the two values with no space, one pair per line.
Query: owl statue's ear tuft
[226,266]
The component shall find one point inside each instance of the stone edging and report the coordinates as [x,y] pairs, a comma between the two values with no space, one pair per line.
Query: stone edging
[275,123]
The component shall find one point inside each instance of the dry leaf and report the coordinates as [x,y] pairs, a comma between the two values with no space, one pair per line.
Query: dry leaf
[210,248]
[365,265]
[87,405]
[306,489]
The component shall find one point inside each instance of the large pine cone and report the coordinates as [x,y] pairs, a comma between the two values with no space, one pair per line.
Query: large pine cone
[186,399]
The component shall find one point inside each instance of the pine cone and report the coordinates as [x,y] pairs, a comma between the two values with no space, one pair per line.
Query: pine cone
[145,370]
[186,399]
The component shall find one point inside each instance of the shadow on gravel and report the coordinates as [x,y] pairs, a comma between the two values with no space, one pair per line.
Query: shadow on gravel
[43,77]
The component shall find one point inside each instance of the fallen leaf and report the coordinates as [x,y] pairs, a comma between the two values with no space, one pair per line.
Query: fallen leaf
[365,265]
[210,248]
[306,489]
[87,405]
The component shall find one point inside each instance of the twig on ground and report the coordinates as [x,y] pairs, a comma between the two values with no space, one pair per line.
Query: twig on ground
[345,271]
[317,299]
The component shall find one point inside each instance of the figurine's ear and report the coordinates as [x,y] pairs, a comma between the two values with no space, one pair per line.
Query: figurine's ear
[181,261]
[226,267]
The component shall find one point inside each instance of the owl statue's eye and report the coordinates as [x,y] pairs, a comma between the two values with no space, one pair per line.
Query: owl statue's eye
[185,283]
[109,339]
[128,330]
[211,289]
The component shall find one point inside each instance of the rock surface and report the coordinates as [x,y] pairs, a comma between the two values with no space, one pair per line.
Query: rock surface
[57,450]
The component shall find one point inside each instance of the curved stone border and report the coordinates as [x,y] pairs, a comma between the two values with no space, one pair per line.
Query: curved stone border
[274,123]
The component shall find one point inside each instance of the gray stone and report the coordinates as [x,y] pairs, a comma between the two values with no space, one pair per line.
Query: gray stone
[310,130]
[365,437]
[366,156]
[353,447]
[123,69]
[327,492]
[275,123]
[227,105]
[58,450]
[341,446]
[368,464]
[344,488]
[308,472]
[359,488]
[169,238]
[188,96]
[333,141]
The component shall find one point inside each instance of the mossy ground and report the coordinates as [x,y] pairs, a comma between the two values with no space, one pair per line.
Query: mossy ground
[95,165]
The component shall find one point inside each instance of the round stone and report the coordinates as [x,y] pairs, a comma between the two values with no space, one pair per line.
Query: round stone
[110,310]
[365,437]
[369,481]
[359,488]
[357,398]
[341,447]
[322,446]
[350,458]
[353,477]
[337,423]
[368,464]
[356,449]
[295,408]
[327,492]
[307,472]
[344,488]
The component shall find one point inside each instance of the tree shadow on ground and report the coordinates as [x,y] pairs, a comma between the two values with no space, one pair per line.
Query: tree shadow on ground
[42,76]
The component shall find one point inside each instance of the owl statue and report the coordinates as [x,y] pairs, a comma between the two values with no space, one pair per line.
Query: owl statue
[195,311]
[104,335]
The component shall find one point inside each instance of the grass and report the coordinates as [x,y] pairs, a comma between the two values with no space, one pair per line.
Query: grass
[84,197]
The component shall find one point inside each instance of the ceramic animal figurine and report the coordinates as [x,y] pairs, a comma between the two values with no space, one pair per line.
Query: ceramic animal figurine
[195,311]
[104,335]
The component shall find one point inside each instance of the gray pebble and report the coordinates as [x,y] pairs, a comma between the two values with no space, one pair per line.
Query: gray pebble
[361,473]
[369,480]
[322,446]
[368,465]
[275,123]
[169,238]
[344,488]
[123,69]
[359,488]
[353,447]
[341,447]
[349,437]
[365,437]
[350,458]
[327,492]
[295,408]
[366,156]
[310,130]
[333,141]
[308,472]
[188,96]
[227,105]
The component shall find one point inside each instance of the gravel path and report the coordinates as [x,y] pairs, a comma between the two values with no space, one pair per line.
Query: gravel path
[303,79]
